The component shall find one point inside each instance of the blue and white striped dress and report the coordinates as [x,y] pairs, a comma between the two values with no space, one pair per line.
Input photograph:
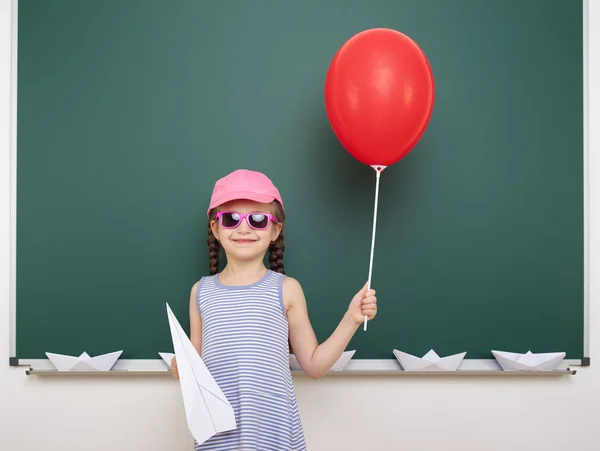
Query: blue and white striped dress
[245,347]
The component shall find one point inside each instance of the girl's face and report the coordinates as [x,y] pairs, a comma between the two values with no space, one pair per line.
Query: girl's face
[245,237]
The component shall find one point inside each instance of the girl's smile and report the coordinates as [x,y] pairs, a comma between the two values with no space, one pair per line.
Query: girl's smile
[244,241]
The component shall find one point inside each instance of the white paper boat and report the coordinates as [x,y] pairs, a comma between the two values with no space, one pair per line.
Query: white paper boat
[207,410]
[167,357]
[84,362]
[294,365]
[429,362]
[339,365]
[529,361]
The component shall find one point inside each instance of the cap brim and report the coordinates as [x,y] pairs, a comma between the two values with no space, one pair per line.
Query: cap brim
[241,195]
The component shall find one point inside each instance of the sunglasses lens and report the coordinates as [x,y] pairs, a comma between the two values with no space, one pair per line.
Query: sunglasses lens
[259,220]
[230,219]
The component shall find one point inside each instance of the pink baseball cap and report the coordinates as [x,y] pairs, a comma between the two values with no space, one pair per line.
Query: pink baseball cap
[244,184]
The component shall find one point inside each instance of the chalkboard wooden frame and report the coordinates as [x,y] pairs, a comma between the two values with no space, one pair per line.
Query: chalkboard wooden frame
[374,365]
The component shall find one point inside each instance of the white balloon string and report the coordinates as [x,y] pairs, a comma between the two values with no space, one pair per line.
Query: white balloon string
[378,170]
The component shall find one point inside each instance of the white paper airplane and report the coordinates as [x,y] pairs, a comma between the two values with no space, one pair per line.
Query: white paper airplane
[339,365]
[528,361]
[84,362]
[207,410]
[429,362]
[167,357]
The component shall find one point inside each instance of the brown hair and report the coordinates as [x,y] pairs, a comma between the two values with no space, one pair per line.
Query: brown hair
[276,248]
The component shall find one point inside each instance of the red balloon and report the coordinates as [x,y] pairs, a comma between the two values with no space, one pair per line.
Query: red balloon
[379,94]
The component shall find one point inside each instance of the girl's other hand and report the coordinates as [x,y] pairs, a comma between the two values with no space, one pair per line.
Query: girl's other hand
[174,367]
[363,303]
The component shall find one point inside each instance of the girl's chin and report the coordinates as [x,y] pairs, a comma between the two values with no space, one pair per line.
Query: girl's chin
[246,251]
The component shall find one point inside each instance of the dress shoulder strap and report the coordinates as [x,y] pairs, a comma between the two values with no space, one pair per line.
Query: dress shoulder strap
[199,289]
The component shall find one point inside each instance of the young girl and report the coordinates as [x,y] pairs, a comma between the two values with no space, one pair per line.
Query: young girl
[245,320]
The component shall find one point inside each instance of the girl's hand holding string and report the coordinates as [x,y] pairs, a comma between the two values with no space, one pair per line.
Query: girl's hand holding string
[364,303]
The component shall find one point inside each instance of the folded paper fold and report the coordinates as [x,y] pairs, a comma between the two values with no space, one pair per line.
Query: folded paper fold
[84,362]
[167,357]
[339,365]
[429,362]
[208,411]
[513,361]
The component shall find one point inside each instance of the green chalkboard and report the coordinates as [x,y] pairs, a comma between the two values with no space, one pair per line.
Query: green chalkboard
[128,111]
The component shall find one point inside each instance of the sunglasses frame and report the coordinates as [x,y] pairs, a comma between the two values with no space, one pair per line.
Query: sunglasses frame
[245,216]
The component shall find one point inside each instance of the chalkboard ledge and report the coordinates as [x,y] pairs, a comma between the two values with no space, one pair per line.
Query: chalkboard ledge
[557,372]
[365,367]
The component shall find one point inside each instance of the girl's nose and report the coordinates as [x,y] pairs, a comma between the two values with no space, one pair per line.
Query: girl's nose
[244,227]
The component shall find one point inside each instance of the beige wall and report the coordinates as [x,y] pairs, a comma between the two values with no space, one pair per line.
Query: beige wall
[349,413]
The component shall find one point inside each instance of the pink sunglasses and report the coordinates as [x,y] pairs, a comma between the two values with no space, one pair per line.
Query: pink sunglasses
[256,221]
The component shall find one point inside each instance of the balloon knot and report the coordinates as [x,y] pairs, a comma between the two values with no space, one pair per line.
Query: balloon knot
[378,168]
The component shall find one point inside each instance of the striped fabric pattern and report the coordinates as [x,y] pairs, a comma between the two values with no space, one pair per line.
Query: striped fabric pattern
[245,347]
